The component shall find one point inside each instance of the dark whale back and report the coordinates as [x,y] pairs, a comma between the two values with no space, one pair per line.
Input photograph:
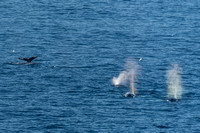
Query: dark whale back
[172,100]
[129,94]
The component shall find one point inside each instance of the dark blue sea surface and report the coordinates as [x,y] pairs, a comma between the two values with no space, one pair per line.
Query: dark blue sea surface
[81,45]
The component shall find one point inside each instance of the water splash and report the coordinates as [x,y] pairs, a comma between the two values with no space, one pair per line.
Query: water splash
[121,79]
[127,77]
[174,82]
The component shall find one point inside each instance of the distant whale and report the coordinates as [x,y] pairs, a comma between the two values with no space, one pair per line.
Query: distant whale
[129,94]
[28,59]
[172,100]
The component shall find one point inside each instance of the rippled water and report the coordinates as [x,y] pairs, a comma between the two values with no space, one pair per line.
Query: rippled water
[81,46]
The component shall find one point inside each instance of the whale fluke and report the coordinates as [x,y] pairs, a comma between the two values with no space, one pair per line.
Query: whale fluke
[28,59]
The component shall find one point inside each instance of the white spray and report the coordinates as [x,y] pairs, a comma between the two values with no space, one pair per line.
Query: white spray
[174,82]
[121,79]
[128,76]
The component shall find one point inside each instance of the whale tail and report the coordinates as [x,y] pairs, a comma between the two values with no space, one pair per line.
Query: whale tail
[28,59]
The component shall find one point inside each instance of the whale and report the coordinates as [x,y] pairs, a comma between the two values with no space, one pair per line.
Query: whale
[28,59]
[172,100]
[129,94]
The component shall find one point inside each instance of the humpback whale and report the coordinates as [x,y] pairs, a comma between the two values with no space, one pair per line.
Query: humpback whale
[28,59]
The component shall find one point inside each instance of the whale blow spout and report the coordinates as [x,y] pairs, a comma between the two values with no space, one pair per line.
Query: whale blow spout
[121,79]
[28,59]
[174,83]
[127,77]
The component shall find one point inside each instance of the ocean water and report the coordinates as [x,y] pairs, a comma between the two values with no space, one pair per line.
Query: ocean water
[81,45]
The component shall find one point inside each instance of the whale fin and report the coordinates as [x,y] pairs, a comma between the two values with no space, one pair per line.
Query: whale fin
[32,58]
[29,59]
[25,59]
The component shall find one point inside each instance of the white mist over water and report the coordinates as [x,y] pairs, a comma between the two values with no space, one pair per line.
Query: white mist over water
[121,79]
[127,77]
[174,82]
